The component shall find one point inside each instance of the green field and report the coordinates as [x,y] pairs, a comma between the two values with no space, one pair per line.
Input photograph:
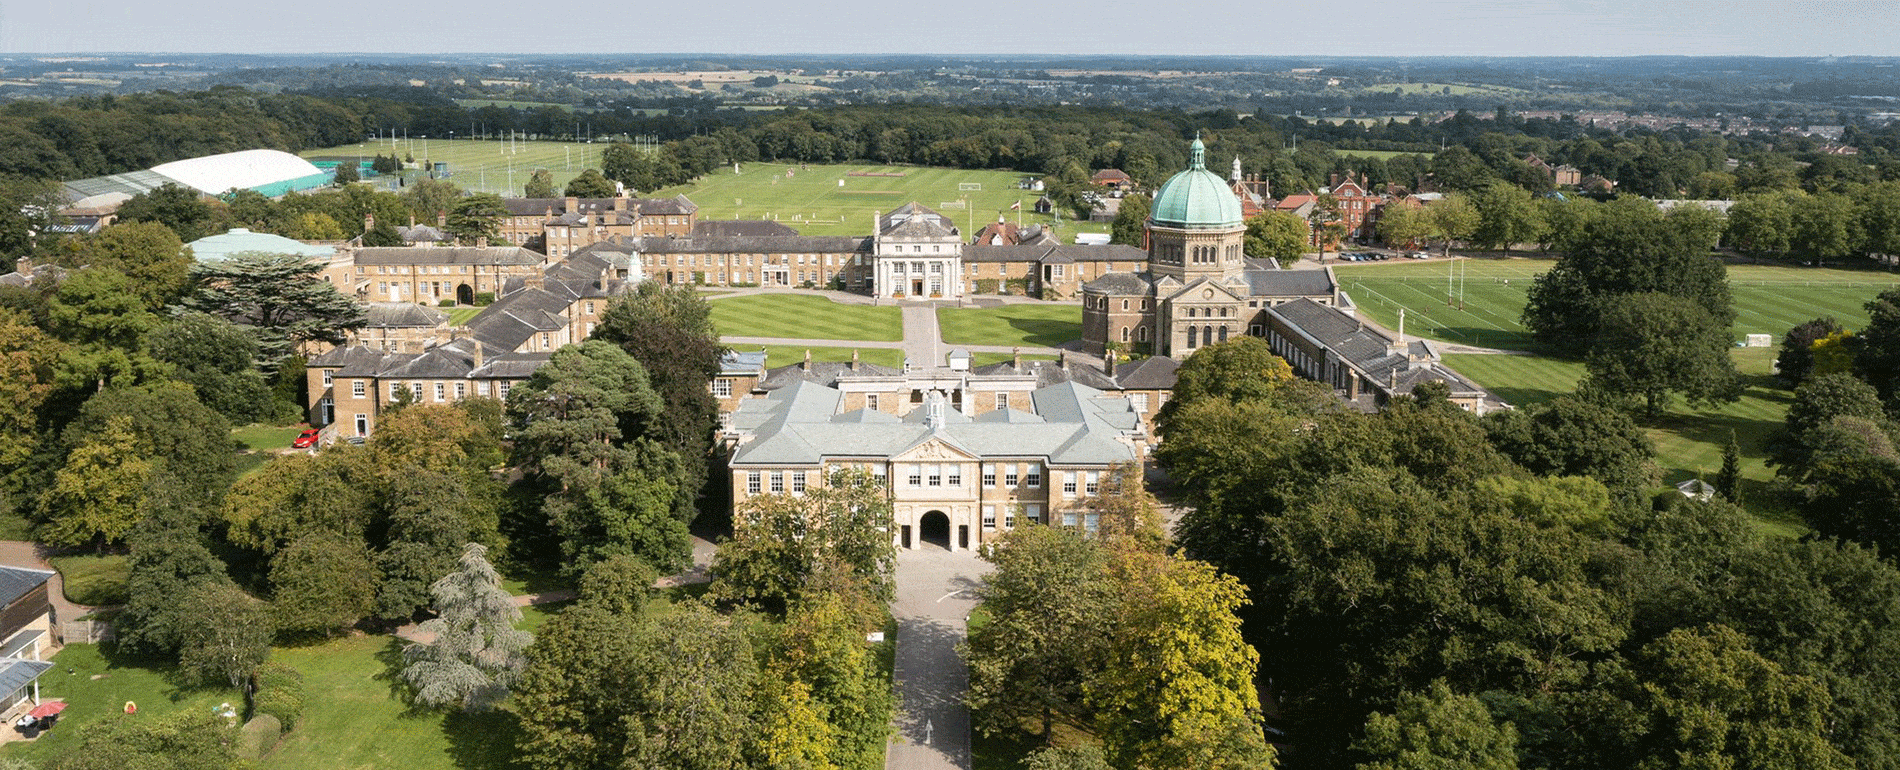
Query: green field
[1688,440]
[484,166]
[805,316]
[94,581]
[1012,324]
[812,200]
[1439,88]
[1768,300]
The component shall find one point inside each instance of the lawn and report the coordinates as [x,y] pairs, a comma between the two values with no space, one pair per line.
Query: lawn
[805,316]
[985,359]
[256,437]
[1768,300]
[1689,441]
[94,581]
[812,200]
[355,717]
[460,315]
[97,686]
[1013,324]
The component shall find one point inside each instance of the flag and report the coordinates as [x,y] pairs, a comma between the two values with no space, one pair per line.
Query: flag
[1017,206]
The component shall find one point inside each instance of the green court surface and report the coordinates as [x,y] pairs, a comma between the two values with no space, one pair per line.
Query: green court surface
[804,316]
[1013,324]
[482,166]
[1479,301]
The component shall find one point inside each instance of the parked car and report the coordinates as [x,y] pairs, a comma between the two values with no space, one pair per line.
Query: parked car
[307,439]
[1419,255]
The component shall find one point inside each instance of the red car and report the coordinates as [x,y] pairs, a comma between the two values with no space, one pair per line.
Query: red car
[308,438]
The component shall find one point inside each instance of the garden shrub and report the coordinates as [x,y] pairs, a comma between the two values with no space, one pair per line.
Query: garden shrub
[278,692]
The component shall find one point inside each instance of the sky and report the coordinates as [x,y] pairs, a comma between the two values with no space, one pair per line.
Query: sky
[1171,27]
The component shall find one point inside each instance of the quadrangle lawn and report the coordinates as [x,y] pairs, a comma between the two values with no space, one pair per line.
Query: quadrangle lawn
[782,355]
[1012,324]
[805,316]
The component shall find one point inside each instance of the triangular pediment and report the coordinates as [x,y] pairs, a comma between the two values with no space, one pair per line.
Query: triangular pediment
[934,449]
[1205,290]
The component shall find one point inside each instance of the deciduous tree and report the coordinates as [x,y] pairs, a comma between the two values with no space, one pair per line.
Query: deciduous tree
[540,184]
[1655,345]
[476,218]
[1438,728]
[589,184]
[229,636]
[781,544]
[1276,235]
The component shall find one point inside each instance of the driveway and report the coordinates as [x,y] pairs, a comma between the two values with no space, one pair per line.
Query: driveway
[933,601]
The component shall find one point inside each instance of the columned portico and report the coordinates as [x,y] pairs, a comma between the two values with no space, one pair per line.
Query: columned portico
[918,254]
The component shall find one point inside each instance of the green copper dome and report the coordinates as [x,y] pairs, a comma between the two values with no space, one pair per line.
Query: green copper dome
[1196,199]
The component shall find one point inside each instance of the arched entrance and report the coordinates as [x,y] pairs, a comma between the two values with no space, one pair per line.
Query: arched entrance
[464,295]
[934,529]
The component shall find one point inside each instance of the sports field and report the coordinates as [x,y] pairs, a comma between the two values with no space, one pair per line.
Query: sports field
[1768,300]
[840,199]
[483,166]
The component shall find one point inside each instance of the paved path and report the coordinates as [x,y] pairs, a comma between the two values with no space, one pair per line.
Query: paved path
[923,340]
[934,598]
[697,573]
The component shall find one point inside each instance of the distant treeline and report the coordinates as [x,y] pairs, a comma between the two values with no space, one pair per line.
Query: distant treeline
[89,136]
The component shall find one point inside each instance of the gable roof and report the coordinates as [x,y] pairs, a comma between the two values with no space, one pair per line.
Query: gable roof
[448,255]
[16,582]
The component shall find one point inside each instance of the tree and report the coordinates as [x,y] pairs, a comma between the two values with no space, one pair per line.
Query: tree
[175,206]
[1507,215]
[587,444]
[188,739]
[148,253]
[1627,248]
[1049,604]
[782,544]
[1404,226]
[1240,369]
[1728,482]
[477,654]
[1796,359]
[1571,436]
[1763,223]
[1130,516]
[669,331]
[1131,221]
[828,697]
[1326,224]
[229,637]
[1085,757]
[188,444]
[429,198]
[1653,345]
[1877,347]
[540,184]
[386,164]
[28,358]
[476,218]
[589,184]
[1703,698]
[168,559]
[103,319]
[1825,227]
[1435,729]
[282,297]
[1276,235]
[382,235]
[618,584]
[1176,688]
[1454,218]
[95,496]
[218,360]
[607,691]
[1818,403]
[321,584]
[346,173]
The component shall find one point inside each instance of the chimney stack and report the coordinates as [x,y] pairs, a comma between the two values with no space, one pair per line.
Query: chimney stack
[573,204]
[475,359]
[1108,363]
[481,241]
[1016,358]
[441,219]
[807,365]
[369,222]
[854,359]
[604,273]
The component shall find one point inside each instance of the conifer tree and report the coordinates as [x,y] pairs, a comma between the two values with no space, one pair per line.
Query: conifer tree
[477,654]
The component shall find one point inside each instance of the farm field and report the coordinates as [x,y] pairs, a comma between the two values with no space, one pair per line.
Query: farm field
[1012,324]
[812,200]
[1768,299]
[805,316]
[482,166]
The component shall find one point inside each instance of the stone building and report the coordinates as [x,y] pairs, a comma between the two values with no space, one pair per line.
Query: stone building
[917,254]
[1197,287]
[430,274]
[966,455]
[561,226]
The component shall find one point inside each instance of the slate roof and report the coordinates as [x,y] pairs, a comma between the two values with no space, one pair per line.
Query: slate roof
[1289,283]
[1153,373]
[16,673]
[759,244]
[421,234]
[16,582]
[1371,351]
[556,207]
[706,228]
[1136,284]
[1053,252]
[799,425]
[404,314]
[824,373]
[912,220]
[448,255]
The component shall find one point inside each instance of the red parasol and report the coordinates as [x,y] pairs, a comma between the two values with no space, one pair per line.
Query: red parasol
[47,709]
